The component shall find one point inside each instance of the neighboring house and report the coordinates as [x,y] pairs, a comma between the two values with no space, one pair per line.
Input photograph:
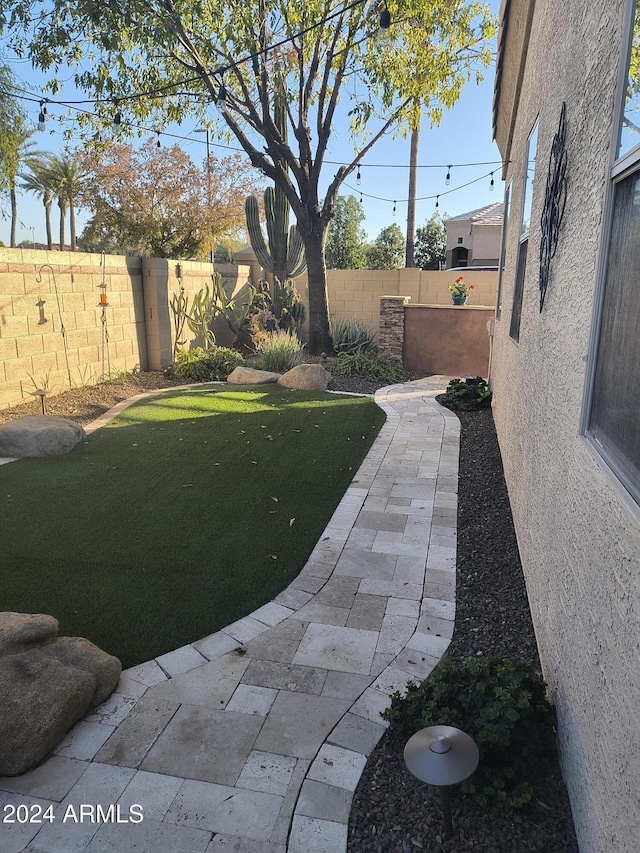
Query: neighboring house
[473,239]
[566,380]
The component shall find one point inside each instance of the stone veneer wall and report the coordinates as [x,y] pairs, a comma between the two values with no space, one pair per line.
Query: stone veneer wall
[391,326]
[578,531]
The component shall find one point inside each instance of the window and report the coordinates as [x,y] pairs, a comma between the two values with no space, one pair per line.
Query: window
[613,420]
[516,312]
[503,247]
[460,239]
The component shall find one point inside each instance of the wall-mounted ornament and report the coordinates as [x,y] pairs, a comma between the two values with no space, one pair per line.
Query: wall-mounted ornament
[41,303]
[555,200]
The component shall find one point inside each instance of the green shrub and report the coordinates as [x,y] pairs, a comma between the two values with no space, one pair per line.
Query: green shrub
[367,366]
[207,365]
[502,705]
[279,351]
[351,336]
[466,396]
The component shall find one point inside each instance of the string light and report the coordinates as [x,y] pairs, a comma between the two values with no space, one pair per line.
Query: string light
[360,198]
[384,30]
[358,177]
[43,115]
[492,183]
[158,143]
[447,180]
[437,202]
[221,100]
[394,208]
[117,118]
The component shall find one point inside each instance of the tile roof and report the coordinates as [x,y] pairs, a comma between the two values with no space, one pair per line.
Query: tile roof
[491,214]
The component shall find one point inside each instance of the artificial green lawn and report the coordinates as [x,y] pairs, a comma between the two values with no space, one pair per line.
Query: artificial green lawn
[184,514]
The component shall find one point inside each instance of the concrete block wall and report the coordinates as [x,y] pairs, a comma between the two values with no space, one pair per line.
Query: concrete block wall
[138,328]
[69,284]
[356,293]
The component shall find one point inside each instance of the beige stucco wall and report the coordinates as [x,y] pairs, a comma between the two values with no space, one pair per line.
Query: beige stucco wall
[578,532]
[482,241]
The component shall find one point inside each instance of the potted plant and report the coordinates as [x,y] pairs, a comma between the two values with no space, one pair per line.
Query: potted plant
[460,291]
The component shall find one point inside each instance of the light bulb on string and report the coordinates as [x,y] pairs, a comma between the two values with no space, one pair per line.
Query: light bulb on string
[221,100]
[117,118]
[358,177]
[447,180]
[43,115]
[394,208]
[492,184]
[360,198]
[437,202]
[158,143]
[384,29]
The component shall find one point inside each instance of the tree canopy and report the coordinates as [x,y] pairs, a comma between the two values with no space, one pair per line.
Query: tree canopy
[158,202]
[431,244]
[387,250]
[164,60]
[346,240]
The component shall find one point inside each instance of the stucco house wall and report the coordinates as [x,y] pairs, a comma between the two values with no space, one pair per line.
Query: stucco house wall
[578,529]
[479,232]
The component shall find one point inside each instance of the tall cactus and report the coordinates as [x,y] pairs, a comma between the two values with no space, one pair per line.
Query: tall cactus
[285,255]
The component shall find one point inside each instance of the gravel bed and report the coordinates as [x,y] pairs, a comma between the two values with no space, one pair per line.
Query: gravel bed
[394,813]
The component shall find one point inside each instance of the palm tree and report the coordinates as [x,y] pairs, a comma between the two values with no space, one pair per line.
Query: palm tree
[19,149]
[66,179]
[40,181]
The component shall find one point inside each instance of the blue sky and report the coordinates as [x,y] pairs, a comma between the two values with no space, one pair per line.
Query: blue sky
[464,136]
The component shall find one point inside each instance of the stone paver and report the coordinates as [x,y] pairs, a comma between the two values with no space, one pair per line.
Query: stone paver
[253,739]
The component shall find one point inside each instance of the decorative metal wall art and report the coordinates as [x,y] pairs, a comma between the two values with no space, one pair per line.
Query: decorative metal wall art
[555,200]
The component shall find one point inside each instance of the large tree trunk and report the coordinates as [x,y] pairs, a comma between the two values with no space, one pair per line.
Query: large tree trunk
[411,209]
[14,217]
[319,327]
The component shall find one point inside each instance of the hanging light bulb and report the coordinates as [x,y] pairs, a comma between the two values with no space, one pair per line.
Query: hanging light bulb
[492,184]
[43,115]
[360,198]
[447,180]
[221,100]
[117,118]
[437,202]
[358,177]
[394,208]
[384,30]
[158,143]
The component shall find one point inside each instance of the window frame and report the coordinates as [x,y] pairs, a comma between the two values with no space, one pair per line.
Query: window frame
[521,258]
[503,246]
[620,168]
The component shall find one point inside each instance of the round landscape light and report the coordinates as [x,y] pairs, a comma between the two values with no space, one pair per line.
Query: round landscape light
[441,755]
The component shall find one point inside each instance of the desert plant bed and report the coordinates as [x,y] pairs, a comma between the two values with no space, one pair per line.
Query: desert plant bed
[185,513]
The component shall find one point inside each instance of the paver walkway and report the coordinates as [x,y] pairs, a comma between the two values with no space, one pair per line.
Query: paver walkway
[254,739]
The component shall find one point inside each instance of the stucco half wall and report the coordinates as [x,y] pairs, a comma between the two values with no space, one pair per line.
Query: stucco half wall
[446,340]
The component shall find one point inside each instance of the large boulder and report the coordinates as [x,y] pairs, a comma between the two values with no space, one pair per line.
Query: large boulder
[306,377]
[39,435]
[47,684]
[251,376]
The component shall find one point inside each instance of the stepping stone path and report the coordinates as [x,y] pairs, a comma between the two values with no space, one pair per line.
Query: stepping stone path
[254,739]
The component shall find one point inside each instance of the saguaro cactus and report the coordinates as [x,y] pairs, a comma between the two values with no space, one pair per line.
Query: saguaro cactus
[285,255]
